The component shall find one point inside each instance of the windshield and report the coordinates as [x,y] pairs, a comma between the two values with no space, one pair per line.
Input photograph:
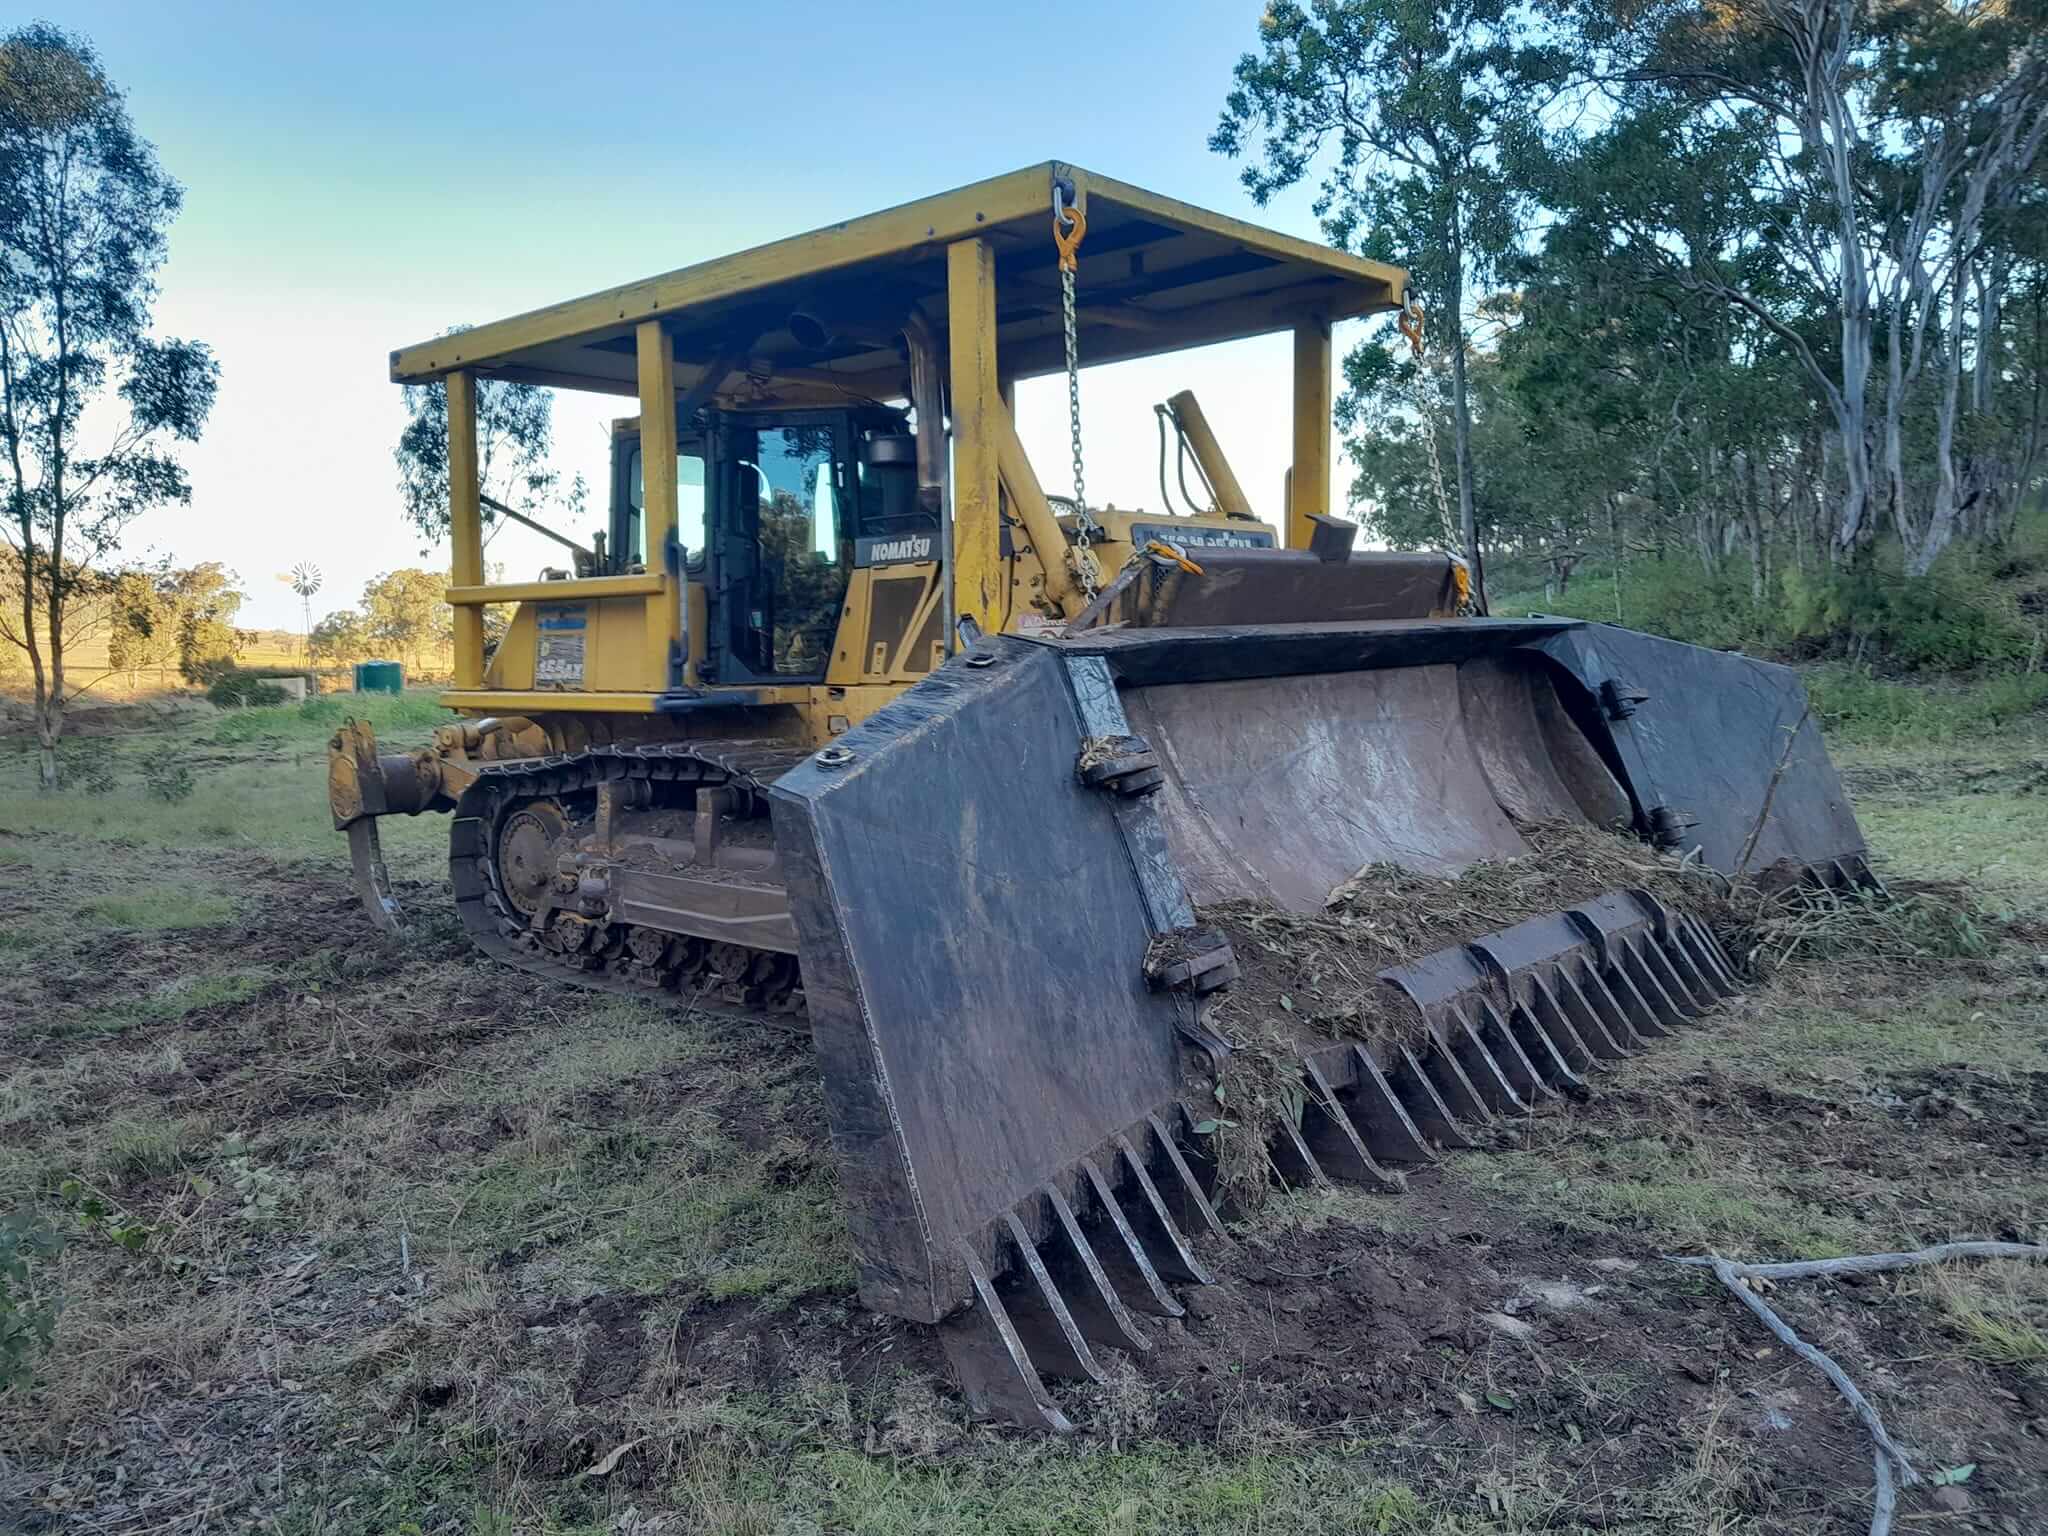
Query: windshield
[803,559]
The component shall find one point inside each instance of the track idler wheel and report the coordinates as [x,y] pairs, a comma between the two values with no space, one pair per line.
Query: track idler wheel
[529,845]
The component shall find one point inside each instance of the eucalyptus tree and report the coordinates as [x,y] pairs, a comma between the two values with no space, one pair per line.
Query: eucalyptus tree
[1884,138]
[91,403]
[515,429]
[1406,115]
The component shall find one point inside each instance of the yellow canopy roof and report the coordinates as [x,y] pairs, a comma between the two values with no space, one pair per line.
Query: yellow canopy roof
[816,315]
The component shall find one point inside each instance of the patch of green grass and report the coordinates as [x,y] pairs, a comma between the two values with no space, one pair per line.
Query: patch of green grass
[143,1148]
[158,907]
[17,940]
[1038,1490]
[1992,840]
[1679,1196]
[617,1040]
[1855,707]
[215,990]
[187,995]
[675,1204]
[1286,1213]
[1998,1310]
[2000,1340]
[265,795]
[406,718]
[424,1485]
[1949,1023]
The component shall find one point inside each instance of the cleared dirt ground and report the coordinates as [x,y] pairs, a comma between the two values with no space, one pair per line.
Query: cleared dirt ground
[417,1244]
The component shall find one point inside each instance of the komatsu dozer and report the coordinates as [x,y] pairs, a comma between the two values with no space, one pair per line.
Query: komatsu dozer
[847,716]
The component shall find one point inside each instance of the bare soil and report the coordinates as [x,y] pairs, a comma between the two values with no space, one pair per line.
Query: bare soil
[378,1356]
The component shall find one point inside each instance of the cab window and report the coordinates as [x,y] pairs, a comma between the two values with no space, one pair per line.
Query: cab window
[631,543]
[792,476]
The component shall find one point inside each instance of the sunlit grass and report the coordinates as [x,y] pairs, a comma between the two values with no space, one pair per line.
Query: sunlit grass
[1992,841]
[274,804]
[405,719]
[161,906]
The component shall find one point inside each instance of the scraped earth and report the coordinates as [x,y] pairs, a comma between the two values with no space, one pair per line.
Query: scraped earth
[488,1259]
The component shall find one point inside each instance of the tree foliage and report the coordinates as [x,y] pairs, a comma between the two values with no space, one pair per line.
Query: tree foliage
[175,617]
[341,639]
[84,213]
[1762,292]
[406,612]
[1409,117]
[515,426]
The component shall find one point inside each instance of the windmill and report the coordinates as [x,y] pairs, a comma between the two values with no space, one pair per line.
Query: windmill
[304,579]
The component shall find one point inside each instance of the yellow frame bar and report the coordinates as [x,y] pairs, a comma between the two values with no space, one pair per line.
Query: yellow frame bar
[1309,489]
[537,701]
[1041,527]
[586,589]
[514,702]
[656,351]
[979,588]
[964,213]
[465,526]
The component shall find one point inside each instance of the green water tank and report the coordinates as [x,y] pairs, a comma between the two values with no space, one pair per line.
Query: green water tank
[380,677]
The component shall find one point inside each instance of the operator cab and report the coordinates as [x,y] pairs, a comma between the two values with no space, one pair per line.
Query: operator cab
[775,508]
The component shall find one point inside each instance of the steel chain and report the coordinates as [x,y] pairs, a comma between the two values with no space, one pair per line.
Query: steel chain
[1429,405]
[1082,558]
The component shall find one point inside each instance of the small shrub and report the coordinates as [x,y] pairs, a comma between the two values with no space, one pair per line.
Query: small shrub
[167,778]
[241,689]
[1948,620]
[28,1318]
[260,1191]
[1855,706]
[88,762]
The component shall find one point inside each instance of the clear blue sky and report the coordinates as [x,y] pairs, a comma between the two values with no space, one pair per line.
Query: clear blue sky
[362,177]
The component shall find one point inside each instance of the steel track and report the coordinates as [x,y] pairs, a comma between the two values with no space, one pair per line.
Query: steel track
[692,970]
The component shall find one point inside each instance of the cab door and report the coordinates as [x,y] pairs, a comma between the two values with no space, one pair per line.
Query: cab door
[782,544]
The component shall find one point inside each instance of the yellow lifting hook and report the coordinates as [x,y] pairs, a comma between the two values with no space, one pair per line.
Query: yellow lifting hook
[1410,325]
[1069,224]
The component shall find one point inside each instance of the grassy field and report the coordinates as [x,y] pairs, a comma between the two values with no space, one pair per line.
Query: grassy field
[364,1238]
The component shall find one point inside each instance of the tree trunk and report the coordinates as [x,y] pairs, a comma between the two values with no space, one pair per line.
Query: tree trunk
[1461,433]
[1461,423]
[1821,38]
[49,726]
[1753,530]
[1941,522]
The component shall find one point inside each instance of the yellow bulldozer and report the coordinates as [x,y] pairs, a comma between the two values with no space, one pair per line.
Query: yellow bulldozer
[847,716]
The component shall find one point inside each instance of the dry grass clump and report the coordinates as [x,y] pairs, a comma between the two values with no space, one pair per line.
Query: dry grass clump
[1916,923]
[1313,977]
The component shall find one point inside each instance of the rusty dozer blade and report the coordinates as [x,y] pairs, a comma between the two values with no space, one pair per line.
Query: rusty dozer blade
[996,882]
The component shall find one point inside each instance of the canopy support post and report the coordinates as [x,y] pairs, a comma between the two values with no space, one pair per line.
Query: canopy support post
[980,587]
[657,359]
[465,526]
[1308,493]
